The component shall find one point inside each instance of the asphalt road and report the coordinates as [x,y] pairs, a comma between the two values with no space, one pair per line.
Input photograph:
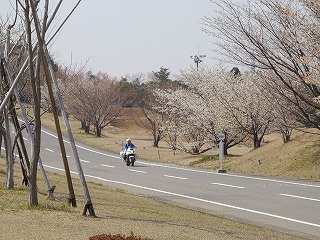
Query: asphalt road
[292,206]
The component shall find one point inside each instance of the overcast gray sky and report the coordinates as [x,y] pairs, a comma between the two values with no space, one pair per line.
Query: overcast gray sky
[123,37]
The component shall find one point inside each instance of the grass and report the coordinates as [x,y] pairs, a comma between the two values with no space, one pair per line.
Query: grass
[120,212]
[204,160]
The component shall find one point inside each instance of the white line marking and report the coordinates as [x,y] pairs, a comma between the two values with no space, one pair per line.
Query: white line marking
[197,199]
[230,175]
[81,160]
[136,171]
[83,147]
[48,149]
[226,185]
[312,199]
[207,201]
[175,177]
[103,165]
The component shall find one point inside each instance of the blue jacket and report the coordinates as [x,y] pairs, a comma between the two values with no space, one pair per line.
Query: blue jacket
[129,145]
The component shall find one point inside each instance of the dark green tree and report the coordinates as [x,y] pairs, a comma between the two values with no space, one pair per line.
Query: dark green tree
[235,71]
[162,76]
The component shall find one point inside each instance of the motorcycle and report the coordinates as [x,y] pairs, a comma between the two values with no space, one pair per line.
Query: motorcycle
[130,156]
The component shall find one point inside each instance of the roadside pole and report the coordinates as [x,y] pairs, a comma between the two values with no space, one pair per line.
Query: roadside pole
[221,137]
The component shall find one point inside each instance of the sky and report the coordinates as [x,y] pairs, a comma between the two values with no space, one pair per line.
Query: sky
[125,37]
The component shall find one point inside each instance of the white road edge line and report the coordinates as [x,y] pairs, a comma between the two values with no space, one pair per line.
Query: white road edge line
[226,185]
[230,175]
[196,199]
[131,170]
[175,177]
[305,198]
[81,147]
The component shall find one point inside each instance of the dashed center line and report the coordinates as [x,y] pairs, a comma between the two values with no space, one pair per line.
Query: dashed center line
[81,160]
[131,170]
[175,177]
[103,165]
[48,149]
[226,185]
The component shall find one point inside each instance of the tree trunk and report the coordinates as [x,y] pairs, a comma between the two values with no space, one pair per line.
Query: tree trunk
[86,126]
[97,130]
[156,140]
[173,141]
[256,141]
[225,148]
[286,135]
[286,138]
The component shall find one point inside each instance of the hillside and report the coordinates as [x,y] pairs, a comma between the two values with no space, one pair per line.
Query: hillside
[298,159]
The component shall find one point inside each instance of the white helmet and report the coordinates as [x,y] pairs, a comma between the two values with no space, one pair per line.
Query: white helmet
[128,140]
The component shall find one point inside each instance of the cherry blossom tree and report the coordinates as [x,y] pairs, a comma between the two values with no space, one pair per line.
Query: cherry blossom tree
[278,37]
[185,124]
[284,112]
[196,113]
[247,105]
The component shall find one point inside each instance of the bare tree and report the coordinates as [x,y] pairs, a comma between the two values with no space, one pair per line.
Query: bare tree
[153,119]
[96,100]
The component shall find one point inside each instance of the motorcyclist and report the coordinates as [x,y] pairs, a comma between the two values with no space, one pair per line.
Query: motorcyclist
[128,145]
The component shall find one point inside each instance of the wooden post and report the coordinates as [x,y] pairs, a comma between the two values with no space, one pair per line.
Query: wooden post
[72,198]
[26,121]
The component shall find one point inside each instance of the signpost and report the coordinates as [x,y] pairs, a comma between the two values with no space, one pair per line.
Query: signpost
[32,128]
[221,137]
